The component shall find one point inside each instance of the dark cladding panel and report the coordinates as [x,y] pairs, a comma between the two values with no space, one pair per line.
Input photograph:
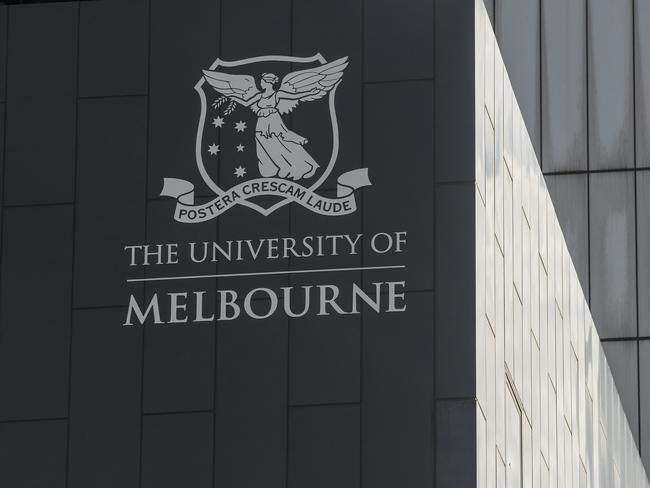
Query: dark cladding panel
[324,447]
[176,450]
[105,401]
[333,28]
[251,409]
[611,97]
[41,104]
[179,360]
[2,154]
[3,52]
[518,38]
[455,275]
[323,350]
[183,42]
[324,360]
[110,197]
[179,368]
[569,195]
[456,439]
[564,86]
[397,406]
[33,454]
[642,51]
[612,242]
[398,39]
[622,357]
[113,48]
[455,158]
[399,156]
[35,312]
[255,27]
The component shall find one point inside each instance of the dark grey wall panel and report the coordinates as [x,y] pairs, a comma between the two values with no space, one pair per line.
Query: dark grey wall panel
[113,48]
[41,114]
[34,353]
[183,42]
[564,85]
[2,154]
[393,28]
[643,243]
[387,107]
[268,25]
[3,52]
[455,59]
[333,28]
[455,274]
[105,401]
[251,409]
[456,438]
[518,30]
[324,360]
[324,447]
[612,243]
[178,360]
[622,357]
[397,397]
[176,450]
[611,98]
[111,196]
[569,194]
[642,70]
[179,368]
[324,357]
[32,454]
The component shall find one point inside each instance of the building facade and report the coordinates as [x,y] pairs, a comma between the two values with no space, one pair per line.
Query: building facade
[580,74]
[361,282]
[556,416]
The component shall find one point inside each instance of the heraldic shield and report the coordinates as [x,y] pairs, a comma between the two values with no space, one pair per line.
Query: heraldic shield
[268,136]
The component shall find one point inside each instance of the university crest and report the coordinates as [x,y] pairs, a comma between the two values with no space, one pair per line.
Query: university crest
[268,136]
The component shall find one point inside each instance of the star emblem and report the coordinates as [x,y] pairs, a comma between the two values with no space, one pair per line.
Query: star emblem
[240,126]
[213,149]
[240,172]
[218,122]
[240,148]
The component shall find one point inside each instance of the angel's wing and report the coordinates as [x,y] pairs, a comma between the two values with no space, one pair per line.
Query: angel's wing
[240,88]
[320,79]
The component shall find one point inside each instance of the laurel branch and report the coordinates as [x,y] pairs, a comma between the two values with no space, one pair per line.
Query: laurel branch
[229,104]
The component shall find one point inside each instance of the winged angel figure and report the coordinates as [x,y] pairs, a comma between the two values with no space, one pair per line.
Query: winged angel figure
[280,151]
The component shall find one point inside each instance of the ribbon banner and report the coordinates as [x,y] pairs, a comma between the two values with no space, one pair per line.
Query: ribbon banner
[188,213]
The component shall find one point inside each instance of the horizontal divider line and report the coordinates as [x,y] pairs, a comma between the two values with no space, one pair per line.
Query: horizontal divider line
[177,412]
[576,172]
[265,273]
[28,420]
[324,404]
